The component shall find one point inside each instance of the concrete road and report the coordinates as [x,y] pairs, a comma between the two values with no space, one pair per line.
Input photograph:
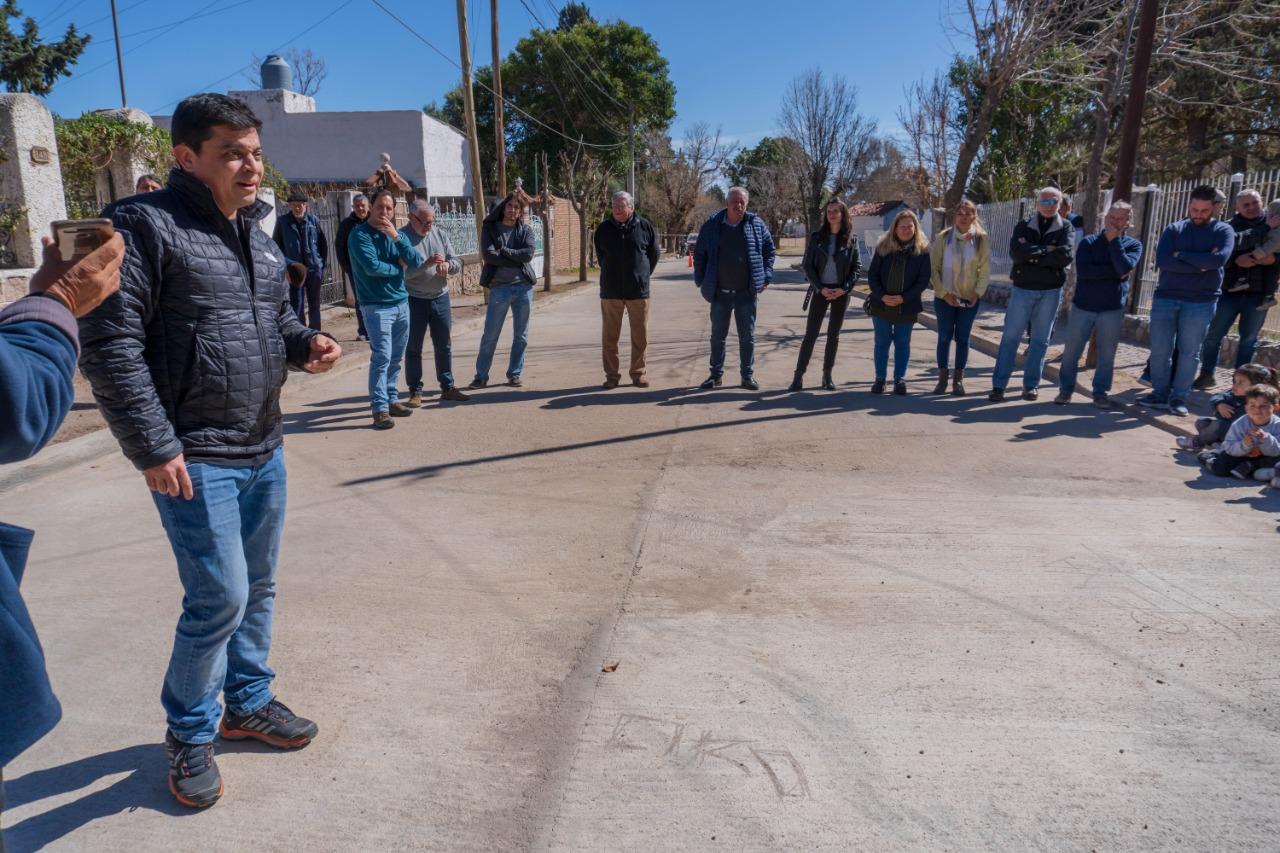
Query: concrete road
[834,622]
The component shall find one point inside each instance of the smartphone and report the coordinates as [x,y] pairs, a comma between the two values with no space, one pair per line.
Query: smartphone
[76,238]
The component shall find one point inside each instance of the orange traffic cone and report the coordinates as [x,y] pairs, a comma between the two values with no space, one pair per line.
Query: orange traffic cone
[691,260]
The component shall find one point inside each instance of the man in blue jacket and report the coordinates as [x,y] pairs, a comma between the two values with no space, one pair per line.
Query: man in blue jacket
[732,266]
[38,350]
[300,237]
[1191,255]
[1103,264]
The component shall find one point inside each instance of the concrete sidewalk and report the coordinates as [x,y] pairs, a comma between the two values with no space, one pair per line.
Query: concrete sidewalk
[562,618]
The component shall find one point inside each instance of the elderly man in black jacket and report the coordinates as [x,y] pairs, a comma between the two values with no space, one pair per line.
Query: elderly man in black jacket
[187,361]
[627,247]
[1041,249]
[359,213]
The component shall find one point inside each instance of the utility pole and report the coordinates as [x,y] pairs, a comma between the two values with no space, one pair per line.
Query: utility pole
[548,213]
[1129,134]
[115,25]
[499,136]
[631,151]
[469,108]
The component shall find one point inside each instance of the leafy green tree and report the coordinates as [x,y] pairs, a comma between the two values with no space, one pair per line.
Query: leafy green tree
[30,65]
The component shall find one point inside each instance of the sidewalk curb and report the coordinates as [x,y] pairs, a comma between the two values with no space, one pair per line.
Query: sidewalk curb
[991,347]
[97,444]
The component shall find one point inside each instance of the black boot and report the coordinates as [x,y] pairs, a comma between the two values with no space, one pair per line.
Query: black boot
[943,376]
[877,387]
[797,384]
[957,386]
[827,384]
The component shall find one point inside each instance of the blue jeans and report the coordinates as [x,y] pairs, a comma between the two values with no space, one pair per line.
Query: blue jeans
[436,315]
[1079,325]
[898,334]
[953,324]
[741,305]
[519,298]
[1231,306]
[227,543]
[1187,322]
[1040,309]
[306,299]
[388,327]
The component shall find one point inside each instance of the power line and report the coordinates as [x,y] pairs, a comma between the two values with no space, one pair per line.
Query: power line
[481,84]
[277,49]
[586,54]
[586,97]
[167,28]
[164,26]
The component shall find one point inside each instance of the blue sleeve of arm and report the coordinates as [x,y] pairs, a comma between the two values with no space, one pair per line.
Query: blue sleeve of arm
[408,254]
[1086,266]
[364,256]
[37,362]
[1164,255]
[873,276]
[767,252]
[1125,255]
[1224,241]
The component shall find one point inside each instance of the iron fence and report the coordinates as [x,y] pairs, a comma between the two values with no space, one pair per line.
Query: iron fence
[1000,218]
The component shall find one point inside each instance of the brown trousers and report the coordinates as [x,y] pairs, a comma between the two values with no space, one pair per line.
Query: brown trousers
[638,313]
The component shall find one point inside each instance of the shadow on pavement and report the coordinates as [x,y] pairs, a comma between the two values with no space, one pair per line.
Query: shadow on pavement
[143,788]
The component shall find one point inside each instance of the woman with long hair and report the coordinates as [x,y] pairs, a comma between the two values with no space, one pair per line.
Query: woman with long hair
[831,265]
[960,259]
[899,276]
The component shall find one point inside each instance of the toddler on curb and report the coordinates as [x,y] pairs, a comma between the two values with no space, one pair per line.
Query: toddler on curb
[1227,407]
[1252,445]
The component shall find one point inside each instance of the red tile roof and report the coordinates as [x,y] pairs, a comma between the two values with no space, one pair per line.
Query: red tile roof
[873,208]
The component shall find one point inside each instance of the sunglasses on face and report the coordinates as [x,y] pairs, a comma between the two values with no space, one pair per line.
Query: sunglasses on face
[1048,202]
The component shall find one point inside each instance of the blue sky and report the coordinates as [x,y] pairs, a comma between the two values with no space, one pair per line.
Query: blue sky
[730,62]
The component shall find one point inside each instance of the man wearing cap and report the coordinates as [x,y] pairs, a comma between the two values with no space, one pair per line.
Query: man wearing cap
[300,238]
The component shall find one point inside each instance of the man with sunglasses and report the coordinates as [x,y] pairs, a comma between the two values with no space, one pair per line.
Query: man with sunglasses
[429,307]
[1250,280]
[1041,249]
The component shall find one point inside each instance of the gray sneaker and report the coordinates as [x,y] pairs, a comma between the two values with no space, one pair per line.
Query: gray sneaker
[194,779]
[1179,408]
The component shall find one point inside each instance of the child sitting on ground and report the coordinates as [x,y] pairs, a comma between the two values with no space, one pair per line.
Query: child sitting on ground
[1252,445]
[1227,407]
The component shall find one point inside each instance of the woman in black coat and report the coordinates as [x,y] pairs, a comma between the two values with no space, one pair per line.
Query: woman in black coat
[831,265]
[899,276]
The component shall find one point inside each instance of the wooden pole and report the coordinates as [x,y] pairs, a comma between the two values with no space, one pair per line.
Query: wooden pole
[548,212]
[469,108]
[115,26]
[500,138]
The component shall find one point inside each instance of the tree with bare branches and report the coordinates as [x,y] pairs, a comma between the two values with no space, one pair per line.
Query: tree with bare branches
[835,141]
[929,121]
[586,182]
[309,70]
[677,178]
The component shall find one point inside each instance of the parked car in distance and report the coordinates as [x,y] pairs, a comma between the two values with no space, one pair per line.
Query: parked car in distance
[690,241]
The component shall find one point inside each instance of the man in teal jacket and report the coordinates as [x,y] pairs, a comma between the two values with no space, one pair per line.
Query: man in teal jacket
[379,257]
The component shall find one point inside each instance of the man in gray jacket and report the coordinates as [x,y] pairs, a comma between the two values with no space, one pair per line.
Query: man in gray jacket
[429,307]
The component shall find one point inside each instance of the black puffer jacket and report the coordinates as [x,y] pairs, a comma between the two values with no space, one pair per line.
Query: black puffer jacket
[190,354]
[1041,251]
[627,254]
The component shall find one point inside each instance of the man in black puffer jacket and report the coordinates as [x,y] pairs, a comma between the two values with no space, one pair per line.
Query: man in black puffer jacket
[187,361]
[627,248]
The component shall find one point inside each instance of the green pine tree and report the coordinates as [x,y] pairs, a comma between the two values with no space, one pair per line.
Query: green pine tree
[29,65]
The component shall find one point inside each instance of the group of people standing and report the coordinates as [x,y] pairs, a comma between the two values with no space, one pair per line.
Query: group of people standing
[401,283]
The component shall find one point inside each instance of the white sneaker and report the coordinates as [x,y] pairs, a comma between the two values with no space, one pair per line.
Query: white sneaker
[1186,442]
[1264,475]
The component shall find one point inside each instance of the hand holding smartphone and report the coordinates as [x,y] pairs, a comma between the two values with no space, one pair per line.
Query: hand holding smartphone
[76,238]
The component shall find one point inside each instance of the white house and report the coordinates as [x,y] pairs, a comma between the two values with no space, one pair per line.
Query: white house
[310,146]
